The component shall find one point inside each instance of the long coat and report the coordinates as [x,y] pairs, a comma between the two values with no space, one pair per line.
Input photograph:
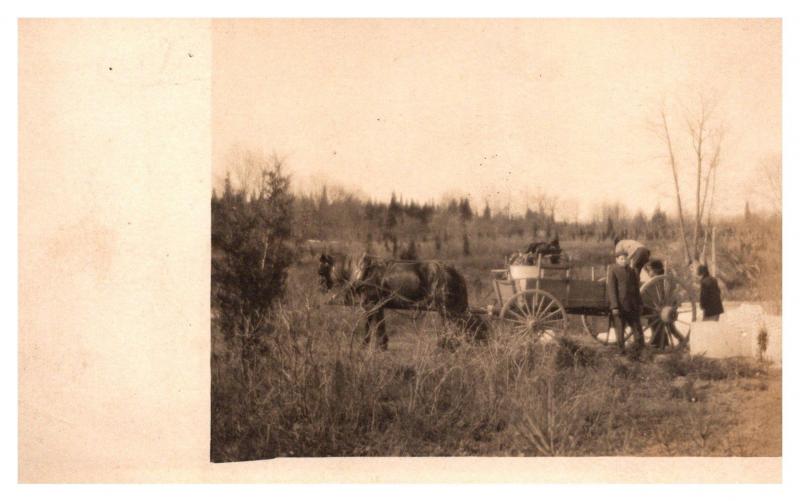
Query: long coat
[623,290]
[710,297]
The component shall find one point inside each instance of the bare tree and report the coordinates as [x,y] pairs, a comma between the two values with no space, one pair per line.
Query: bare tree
[706,136]
[667,137]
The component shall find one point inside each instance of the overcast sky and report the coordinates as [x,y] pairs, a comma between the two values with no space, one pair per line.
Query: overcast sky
[498,110]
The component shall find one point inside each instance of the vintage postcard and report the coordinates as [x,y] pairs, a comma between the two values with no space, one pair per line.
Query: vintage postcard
[401,250]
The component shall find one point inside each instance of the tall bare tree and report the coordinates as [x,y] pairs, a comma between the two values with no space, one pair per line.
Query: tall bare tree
[667,137]
[706,137]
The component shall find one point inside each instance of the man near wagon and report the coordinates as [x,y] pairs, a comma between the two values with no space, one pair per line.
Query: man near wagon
[638,254]
[710,296]
[625,300]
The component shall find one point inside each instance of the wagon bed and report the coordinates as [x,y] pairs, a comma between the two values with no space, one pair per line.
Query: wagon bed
[536,299]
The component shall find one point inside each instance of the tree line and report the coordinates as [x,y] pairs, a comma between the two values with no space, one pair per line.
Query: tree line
[393,223]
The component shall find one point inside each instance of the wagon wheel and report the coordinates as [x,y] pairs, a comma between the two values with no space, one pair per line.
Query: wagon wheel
[668,312]
[536,313]
[601,328]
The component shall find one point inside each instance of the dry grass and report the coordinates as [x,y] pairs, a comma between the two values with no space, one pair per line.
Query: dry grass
[308,387]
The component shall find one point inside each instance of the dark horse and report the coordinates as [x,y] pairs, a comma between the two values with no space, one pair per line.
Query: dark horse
[376,284]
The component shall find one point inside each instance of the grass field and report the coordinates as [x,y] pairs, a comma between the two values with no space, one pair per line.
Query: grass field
[310,388]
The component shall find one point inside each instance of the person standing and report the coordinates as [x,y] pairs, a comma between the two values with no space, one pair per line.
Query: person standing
[710,295]
[625,300]
[638,254]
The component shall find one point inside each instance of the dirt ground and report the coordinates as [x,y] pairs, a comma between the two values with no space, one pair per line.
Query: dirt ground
[754,405]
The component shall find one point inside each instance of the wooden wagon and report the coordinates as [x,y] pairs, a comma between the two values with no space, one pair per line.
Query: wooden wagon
[536,300]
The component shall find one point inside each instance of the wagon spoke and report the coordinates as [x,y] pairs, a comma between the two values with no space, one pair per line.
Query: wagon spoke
[536,305]
[658,293]
[675,332]
[556,323]
[522,319]
[671,288]
[543,321]
[654,295]
[516,321]
[519,305]
[521,329]
[545,305]
[651,322]
[650,317]
[539,303]
[560,319]
[553,312]
[526,308]
[654,334]
[520,316]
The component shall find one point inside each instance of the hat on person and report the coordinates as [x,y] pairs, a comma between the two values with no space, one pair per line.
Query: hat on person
[621,252]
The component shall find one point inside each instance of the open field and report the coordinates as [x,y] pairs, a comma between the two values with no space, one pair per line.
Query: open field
[310,388]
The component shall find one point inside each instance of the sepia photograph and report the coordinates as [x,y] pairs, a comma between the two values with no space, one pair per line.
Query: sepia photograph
[495,238]
[292,249]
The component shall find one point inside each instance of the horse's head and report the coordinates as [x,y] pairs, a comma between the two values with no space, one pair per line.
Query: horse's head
[337,271]
[361,267]
[326,271]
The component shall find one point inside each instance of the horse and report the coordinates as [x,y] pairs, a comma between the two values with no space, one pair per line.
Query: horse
[376,284]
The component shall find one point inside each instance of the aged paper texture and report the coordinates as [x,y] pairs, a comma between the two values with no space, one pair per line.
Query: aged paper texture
[117,152]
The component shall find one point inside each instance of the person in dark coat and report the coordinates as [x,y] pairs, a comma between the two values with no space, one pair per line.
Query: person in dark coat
[625,300]
[710,295]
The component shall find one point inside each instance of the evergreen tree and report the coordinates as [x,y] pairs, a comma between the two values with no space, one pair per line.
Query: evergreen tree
[487,212]
[250,251]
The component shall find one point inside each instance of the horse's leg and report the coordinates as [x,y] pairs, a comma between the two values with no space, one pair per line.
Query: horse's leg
[450,327]
[383,339]
[377,320]
[477,328]
[368,324]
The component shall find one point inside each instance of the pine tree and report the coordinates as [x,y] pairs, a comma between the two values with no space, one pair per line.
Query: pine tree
[487,212]
[250,251]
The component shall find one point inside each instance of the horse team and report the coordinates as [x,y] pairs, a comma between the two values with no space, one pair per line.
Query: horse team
[376,284]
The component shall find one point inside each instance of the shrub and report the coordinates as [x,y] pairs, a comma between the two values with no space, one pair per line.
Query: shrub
[250,229]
